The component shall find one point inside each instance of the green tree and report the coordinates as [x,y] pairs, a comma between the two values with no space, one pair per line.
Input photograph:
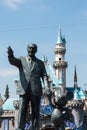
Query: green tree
[6,92]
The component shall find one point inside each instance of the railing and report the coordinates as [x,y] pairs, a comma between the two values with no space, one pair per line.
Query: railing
[60,64]
[60,50]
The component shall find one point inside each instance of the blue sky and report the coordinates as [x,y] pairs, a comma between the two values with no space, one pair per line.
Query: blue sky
[25,21]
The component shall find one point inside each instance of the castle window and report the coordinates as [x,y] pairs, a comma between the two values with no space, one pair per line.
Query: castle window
[59,58]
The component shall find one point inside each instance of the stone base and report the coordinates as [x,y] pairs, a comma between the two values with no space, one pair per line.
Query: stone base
[47,128]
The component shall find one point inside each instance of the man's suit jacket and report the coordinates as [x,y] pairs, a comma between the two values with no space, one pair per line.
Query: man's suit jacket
[30,76]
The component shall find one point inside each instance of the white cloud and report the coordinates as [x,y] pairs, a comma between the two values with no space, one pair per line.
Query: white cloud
[8,72]
[14,4]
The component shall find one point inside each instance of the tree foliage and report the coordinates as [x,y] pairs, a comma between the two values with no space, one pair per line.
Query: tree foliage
[6,92]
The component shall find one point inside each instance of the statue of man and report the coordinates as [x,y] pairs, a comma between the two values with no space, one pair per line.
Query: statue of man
[31,70]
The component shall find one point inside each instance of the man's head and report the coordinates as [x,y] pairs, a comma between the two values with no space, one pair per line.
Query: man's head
[31,49]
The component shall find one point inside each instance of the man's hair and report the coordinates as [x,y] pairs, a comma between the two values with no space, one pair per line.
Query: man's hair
[34,45]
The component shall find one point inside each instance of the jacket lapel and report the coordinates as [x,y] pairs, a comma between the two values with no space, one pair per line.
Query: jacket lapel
[30,67]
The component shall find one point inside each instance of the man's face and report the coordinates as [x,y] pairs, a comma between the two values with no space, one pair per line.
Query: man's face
[32,49]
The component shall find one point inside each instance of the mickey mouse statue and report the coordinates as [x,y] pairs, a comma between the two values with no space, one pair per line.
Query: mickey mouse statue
[60,112]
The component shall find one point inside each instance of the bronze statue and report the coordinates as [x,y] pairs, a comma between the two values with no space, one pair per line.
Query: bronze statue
[31,70]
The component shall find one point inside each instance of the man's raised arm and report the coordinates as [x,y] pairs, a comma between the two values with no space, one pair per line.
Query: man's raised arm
[12,59]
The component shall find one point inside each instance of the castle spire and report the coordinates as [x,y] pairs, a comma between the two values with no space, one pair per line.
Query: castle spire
[59,40]
[75,75]
[75,79]
[63,39]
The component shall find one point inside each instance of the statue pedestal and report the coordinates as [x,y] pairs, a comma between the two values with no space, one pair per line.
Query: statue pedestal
[67,128]
[47,128]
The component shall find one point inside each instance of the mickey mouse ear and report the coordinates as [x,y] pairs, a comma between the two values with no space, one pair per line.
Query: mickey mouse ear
[69,96]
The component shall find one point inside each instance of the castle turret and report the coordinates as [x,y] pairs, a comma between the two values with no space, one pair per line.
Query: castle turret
[61,83]
[60,64]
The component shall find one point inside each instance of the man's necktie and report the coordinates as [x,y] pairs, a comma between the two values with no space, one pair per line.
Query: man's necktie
[30,63]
